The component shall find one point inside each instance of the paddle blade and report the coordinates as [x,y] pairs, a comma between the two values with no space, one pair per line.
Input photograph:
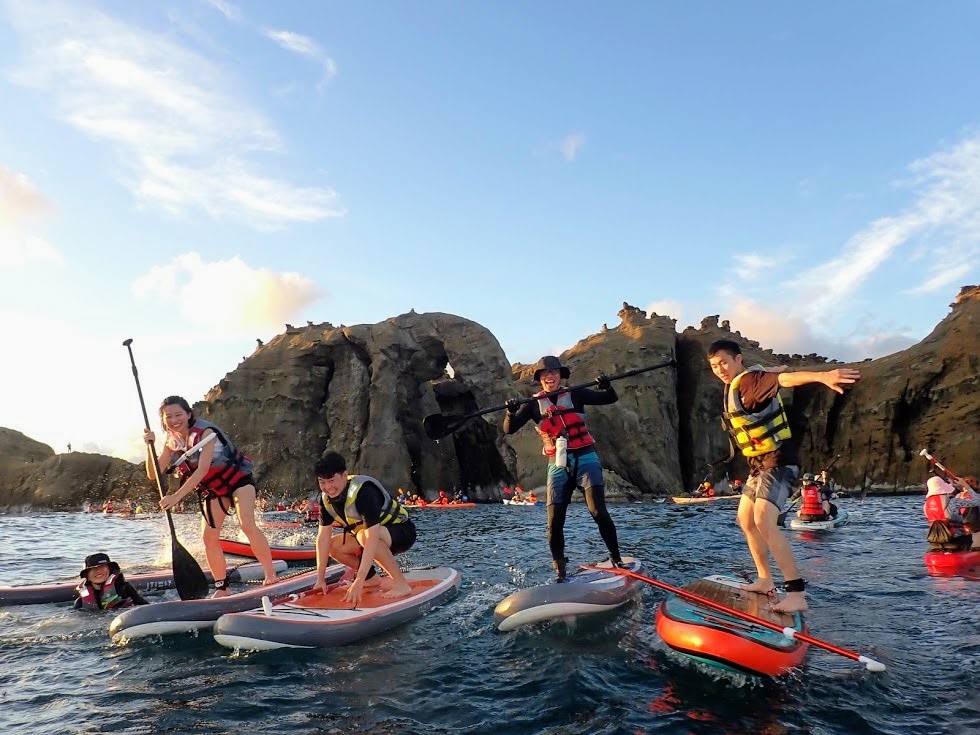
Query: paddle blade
[438,425]
[189,578]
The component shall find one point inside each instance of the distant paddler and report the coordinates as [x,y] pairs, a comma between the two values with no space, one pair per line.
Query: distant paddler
[753,414]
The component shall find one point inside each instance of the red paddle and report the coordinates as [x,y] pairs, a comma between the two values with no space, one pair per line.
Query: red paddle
[869,663]
[939,465]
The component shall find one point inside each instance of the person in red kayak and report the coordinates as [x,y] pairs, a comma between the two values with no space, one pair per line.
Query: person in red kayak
[376,528]
[561,425]
[103,586]
[946,508]
[443,499]
[754,416]
[222,477]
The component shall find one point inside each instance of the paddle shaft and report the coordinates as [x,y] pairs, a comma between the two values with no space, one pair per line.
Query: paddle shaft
[789,632]
[189,578]
[455,422]
[146,422]
[939,465]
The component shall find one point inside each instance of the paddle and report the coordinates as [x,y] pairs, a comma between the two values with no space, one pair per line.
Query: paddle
[938,465]
[781,519]
[869,663]
[189,578]
[440,425]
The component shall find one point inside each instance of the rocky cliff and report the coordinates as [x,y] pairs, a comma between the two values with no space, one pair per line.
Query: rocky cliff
[364,390]
[32,475]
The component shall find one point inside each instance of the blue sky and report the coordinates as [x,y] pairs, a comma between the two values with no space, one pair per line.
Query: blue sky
[195,174]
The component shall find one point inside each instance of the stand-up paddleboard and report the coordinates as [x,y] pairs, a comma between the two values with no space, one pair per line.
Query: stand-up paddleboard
[316,620]
[306,552]
[161,580]
[795,524]
[183,616]
[685,500]
[586,592]
[726,641]
[952,563]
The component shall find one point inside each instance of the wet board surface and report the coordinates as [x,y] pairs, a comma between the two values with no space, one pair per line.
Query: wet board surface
[333,599]
[727,594]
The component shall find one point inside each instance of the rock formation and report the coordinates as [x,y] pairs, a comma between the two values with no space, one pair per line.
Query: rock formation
[364,390]
[31,474]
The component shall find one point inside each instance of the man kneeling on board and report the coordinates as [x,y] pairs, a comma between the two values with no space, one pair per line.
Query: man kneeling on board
[376,527]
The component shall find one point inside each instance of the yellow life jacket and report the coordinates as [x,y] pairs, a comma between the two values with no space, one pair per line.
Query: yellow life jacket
[755,433]
[391,510]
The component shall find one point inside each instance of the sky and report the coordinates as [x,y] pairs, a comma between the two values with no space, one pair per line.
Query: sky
[195,174]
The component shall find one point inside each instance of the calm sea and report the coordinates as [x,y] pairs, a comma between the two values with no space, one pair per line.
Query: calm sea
[450,672]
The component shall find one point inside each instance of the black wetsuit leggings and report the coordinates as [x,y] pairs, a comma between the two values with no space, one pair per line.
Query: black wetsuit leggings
[595,499]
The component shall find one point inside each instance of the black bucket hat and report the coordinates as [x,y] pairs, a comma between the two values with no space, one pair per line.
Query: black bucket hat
[550,362]
[94,560]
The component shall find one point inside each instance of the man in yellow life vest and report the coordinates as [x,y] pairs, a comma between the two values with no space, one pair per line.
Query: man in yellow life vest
[757,422]
[376,528]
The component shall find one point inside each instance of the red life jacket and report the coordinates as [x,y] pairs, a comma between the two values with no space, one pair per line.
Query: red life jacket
[228,465]
[561,419]
[812,501]
[936,508]
[110,598]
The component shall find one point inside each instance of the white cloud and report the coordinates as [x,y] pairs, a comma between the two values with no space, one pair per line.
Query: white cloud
[790,334]
[748,266]
[20,201]
[18,249]
[570,145]
[666,307]
[170,115]
[239,298]
[304,46]
[227,9]
[946,210]
[19,198]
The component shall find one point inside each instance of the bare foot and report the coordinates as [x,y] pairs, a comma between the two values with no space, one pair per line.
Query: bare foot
[220,593]
[763,585]
[270,580]
[373,583]
[398,590]
[793,602]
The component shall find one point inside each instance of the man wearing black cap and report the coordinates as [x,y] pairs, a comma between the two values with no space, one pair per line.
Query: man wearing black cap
[570,448]
[103,586]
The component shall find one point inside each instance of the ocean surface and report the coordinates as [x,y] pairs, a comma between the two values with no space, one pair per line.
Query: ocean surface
[450,672]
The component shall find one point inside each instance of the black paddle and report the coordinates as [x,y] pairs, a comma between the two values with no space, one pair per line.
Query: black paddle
[439,425]
[189,578]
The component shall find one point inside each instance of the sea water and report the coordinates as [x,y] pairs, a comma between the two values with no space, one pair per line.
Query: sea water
[450,672]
